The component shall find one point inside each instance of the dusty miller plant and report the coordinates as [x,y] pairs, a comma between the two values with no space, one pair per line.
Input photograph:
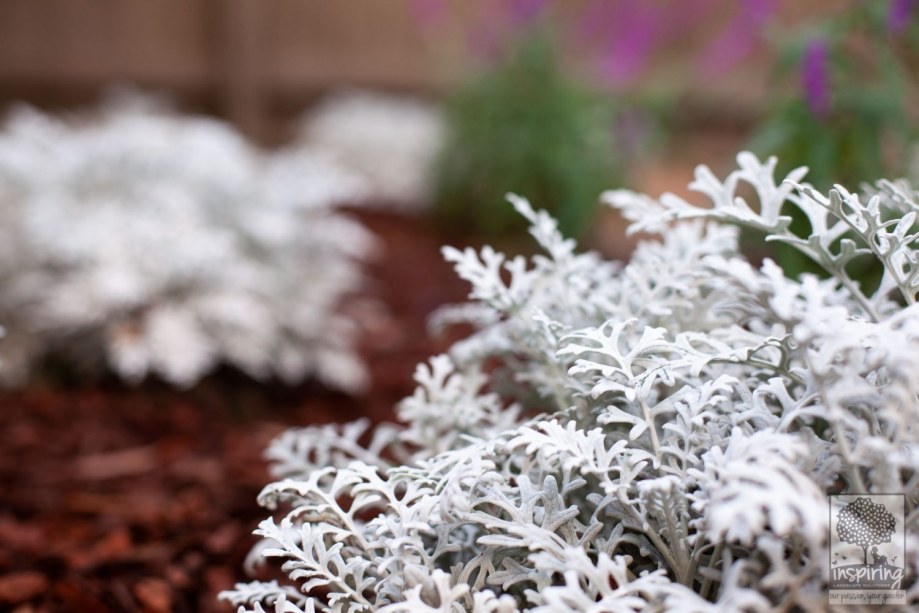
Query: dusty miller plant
[655,436]
[161,243]
[389,141]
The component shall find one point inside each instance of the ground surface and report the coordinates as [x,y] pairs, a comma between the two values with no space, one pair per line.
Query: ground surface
[115,498]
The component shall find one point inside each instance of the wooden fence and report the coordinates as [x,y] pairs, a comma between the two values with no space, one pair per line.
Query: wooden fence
[246,59]
[252,61]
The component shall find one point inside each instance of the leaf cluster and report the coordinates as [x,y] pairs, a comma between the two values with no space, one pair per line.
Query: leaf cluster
[153,243]
[659,435]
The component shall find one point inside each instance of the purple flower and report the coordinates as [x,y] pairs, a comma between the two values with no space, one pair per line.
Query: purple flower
[815,77]
[899,14]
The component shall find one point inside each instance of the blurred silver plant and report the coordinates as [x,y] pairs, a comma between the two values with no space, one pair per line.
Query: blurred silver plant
[666,432]
[167,244]
[389,141]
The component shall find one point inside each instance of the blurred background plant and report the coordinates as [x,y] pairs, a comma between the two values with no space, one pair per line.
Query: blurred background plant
[557,101]
[390,141]
[525,126]
[844,103]
[844,89]
[551,108]
[163,244]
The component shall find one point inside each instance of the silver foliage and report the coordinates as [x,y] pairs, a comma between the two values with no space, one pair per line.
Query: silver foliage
[670,431]
[389,141]
[166,244]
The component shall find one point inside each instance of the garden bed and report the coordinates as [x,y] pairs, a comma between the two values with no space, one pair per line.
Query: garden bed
[116,498]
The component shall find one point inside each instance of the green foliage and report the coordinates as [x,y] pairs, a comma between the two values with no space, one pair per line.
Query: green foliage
[864,80]
[525,127]
[848,116]
[846,148]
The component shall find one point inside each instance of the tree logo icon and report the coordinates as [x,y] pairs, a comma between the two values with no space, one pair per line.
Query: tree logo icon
[865,523]
[867,549]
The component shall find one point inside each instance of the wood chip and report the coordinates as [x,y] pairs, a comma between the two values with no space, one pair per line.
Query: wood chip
[154,594]
[113,464]
[19,587]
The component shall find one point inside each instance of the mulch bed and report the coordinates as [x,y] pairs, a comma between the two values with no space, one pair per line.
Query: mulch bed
[117,498]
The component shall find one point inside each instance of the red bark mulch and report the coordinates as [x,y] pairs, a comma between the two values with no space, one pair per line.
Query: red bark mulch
[115,498]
